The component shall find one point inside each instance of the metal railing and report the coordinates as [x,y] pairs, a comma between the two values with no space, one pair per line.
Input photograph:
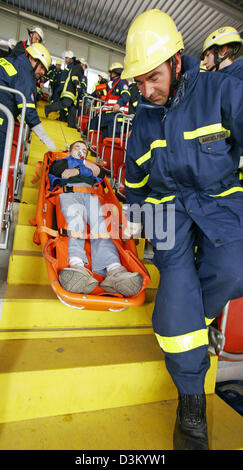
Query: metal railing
[21,133]
[5,211]
[105,107]
[126,121]
[91,102]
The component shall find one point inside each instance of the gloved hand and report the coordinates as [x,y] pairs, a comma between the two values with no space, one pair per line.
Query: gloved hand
[42,135]
[132,230]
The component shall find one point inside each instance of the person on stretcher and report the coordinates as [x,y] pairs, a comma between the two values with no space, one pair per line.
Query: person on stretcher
[80,209]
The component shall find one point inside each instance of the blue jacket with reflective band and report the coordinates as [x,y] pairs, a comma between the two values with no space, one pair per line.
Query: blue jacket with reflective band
[18,73]
[191,151]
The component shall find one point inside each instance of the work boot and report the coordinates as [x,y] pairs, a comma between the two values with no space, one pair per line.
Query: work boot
[79,281]
[119,280]
[190,431]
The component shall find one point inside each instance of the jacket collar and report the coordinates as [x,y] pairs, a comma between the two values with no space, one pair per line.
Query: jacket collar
[190,73]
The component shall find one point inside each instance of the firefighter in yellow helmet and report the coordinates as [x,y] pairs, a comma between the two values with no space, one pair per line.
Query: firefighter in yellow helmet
[21,73]
[181,183]
[220,48]
[219,51]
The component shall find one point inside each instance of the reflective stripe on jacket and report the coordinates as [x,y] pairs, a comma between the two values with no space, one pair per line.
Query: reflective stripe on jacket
[73,80]
[17,73]
[119,93]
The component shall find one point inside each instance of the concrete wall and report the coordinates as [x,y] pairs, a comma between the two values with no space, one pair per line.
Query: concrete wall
[99,58]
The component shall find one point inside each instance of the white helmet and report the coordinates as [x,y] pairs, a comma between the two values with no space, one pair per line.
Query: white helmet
[12,42]
[69,54]
[104,75]
[38,30]
[83,61]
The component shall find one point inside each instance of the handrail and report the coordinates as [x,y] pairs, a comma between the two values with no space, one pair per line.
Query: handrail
[5,167]
[94,102]
[21,129]
[126,119]
[92,99]
[102,108]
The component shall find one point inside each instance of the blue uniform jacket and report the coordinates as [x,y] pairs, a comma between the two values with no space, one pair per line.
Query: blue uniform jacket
[64,74]
[235,69]
[18,73]
[191,151]
[70,162]
[122,90]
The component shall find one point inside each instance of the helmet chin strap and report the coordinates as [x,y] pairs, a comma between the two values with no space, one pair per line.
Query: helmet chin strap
[36,65]
[174,82]
[218,60]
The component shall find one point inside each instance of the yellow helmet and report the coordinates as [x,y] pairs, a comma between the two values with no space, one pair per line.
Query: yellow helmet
[151,40]
[40,52]
[58,62]
[221,37]
[116,67]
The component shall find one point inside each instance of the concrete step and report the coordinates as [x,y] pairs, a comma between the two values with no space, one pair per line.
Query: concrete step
[138,427]
[23,239]
[26,212]
[33,309]
[49,377]
[28,266]
[29,195]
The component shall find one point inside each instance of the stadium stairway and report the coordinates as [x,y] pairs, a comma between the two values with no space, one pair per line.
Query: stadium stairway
[79,379]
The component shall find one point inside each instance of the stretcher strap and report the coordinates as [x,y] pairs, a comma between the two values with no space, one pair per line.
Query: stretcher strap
[47,255]
[96,190]
[69,233]
[38,168]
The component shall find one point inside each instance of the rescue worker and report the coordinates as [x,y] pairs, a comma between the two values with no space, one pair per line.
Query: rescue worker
[52,71]
[21,74]
[36,35]
[84,82]
[181,174]
[101,87]
[11,44]
[83,85]
[69,55]
[220,49]
[80,208]
[56,80]
[117,98]
[69,94]
[54,76]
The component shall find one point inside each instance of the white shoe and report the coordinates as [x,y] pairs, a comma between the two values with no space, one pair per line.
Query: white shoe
[121,281]
[77,280]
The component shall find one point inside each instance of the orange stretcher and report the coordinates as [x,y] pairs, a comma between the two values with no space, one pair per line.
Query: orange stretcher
[53,235]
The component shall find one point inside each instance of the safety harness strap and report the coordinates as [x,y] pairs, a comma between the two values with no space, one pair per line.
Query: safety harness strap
[63,232]
[95,190]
